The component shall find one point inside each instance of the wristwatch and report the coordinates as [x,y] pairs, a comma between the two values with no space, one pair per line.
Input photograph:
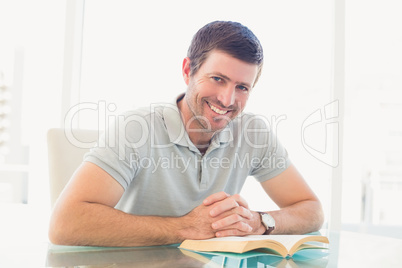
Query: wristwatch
[268,222]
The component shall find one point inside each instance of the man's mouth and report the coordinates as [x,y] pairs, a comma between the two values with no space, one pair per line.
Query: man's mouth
[216,109]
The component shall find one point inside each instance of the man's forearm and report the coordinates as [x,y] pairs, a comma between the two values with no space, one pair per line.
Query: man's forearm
[98,225]
[300,218]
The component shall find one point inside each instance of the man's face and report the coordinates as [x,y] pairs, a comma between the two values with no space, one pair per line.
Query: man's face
[218,91]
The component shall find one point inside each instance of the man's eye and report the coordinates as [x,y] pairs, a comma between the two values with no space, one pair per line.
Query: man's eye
[217,79]
[242,88]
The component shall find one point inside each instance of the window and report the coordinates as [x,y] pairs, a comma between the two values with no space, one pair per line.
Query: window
[31,54]
[372,183]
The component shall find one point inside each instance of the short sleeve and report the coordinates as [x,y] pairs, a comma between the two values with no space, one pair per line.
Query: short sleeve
[270,158]
[118,152]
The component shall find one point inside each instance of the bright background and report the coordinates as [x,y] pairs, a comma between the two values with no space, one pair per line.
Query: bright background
[56,54]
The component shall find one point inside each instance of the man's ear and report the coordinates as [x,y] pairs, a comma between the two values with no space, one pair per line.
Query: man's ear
[186,70]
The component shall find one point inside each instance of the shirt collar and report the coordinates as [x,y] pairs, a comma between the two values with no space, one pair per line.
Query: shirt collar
[174,124]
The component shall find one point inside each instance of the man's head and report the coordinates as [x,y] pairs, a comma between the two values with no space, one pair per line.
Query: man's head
[223,64]
[229,37]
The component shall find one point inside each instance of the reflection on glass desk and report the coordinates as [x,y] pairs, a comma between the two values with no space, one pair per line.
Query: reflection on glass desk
[347,249]
[172,256]
[308,258]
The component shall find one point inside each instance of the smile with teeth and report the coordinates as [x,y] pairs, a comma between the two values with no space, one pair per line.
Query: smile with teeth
[216,109]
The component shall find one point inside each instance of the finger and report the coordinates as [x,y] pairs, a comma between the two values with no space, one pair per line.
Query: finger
[237,214]
[215,198]
[226,222]
[244,212]
[238,229]
[240,200]
[223,206]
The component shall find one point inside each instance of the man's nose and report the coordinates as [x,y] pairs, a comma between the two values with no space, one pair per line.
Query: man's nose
[227,95]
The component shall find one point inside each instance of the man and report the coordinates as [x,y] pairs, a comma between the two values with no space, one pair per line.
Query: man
[174,172]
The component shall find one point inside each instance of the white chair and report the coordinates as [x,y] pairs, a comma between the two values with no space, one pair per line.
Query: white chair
[66,150]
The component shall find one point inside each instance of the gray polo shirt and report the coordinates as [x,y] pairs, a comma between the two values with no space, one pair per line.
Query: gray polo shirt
[150,154]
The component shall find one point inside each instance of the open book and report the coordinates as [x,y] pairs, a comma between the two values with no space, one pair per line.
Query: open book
[283,245]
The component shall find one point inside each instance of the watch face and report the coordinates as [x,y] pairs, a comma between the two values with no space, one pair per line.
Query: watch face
[268,220]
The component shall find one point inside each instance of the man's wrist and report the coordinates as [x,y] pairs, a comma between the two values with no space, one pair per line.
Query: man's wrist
[268,222]
[258,227]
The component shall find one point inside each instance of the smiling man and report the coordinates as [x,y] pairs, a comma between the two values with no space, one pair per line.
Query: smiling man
[216,94]
[174,171]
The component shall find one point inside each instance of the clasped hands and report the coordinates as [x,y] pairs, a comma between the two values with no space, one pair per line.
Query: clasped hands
[222,215]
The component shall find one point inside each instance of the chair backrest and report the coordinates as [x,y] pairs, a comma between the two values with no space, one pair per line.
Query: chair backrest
[65,152]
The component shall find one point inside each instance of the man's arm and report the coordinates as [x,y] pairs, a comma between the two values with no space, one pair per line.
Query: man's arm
[300,210]
[85,215]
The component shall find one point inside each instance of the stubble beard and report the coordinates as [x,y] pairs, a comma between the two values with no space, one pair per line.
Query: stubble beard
[204,124]
[197,110]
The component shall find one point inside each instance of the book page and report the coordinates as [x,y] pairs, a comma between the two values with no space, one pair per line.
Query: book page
[287,240]
[239,238]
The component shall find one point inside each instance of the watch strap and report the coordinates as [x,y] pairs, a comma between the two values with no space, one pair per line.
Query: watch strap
[269,229]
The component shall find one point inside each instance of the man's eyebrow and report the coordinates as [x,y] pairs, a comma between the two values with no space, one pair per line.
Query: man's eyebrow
[227,78]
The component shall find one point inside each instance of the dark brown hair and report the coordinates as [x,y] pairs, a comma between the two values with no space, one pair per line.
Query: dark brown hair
[230,37]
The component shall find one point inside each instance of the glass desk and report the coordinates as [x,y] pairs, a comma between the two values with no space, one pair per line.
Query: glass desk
[347,249]
[171,256]
[23,243]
